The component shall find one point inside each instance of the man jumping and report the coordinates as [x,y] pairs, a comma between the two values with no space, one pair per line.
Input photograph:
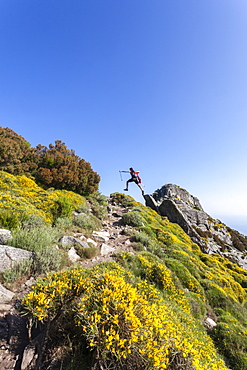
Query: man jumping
[134,178]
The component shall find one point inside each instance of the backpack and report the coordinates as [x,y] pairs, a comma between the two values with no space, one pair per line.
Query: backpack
[138,178]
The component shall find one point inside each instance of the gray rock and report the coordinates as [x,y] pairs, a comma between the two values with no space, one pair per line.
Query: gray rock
[10,256]
[151,202]
[67,240]
[89,240]
[5,236]
[101,236]
[105,250]
[171,191]
[209,323]
[184,209]
[72,254]
[29,357]
[5,295]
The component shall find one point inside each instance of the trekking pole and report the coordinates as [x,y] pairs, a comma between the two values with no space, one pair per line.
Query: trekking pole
[121,176]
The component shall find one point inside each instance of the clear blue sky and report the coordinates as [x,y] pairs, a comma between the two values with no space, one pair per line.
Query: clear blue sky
[158,85]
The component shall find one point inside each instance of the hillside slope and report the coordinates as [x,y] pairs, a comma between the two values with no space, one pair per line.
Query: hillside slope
[143,301]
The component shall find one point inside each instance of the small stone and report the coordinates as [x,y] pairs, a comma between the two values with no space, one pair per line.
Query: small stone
[209,323]
[105,250]
[89,240]
[72,254]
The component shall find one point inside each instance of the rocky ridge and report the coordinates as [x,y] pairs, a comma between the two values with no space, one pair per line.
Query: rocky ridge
[180,207]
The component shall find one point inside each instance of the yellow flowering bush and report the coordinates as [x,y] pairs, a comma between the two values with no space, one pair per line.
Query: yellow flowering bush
[23,196]
[125,320]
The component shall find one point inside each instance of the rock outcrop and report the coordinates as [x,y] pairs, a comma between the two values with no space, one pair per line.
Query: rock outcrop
[10,256]
[180,207]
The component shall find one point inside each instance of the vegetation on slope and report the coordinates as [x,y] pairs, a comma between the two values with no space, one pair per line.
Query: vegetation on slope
[146,310]
[38,218]
[21,198]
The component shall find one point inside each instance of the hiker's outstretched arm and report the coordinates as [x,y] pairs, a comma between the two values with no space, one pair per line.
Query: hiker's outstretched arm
[124,171]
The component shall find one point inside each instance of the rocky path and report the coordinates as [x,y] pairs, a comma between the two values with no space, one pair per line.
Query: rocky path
[111,239]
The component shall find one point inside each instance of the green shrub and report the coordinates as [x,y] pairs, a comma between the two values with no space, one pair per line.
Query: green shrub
[35,239]
[32,221]
[198,307]
[63,223]
[216,296]
[83,209]
[149,231]
[143,238]
[98,205]
[9,220]
[132,219]
[62,208]
[87,222]
[125,200]
[13,274]
[45,260]
[230,337]
[86,252]
[186,278]
[138,247]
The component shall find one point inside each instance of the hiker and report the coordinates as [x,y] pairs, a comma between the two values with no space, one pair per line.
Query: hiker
[134,178]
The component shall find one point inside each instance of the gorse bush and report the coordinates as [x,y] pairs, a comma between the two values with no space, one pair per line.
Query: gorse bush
[212,283]
[143,312]
[230,337]
[9,220]
[124,321]
[62,207]
[21,199]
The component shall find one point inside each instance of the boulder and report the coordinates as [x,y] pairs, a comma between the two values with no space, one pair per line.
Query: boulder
[67,240]
[171,191]
[180,207]
[151,202]
[10,256]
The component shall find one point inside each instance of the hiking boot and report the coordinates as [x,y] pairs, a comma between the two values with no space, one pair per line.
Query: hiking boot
[126,189]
